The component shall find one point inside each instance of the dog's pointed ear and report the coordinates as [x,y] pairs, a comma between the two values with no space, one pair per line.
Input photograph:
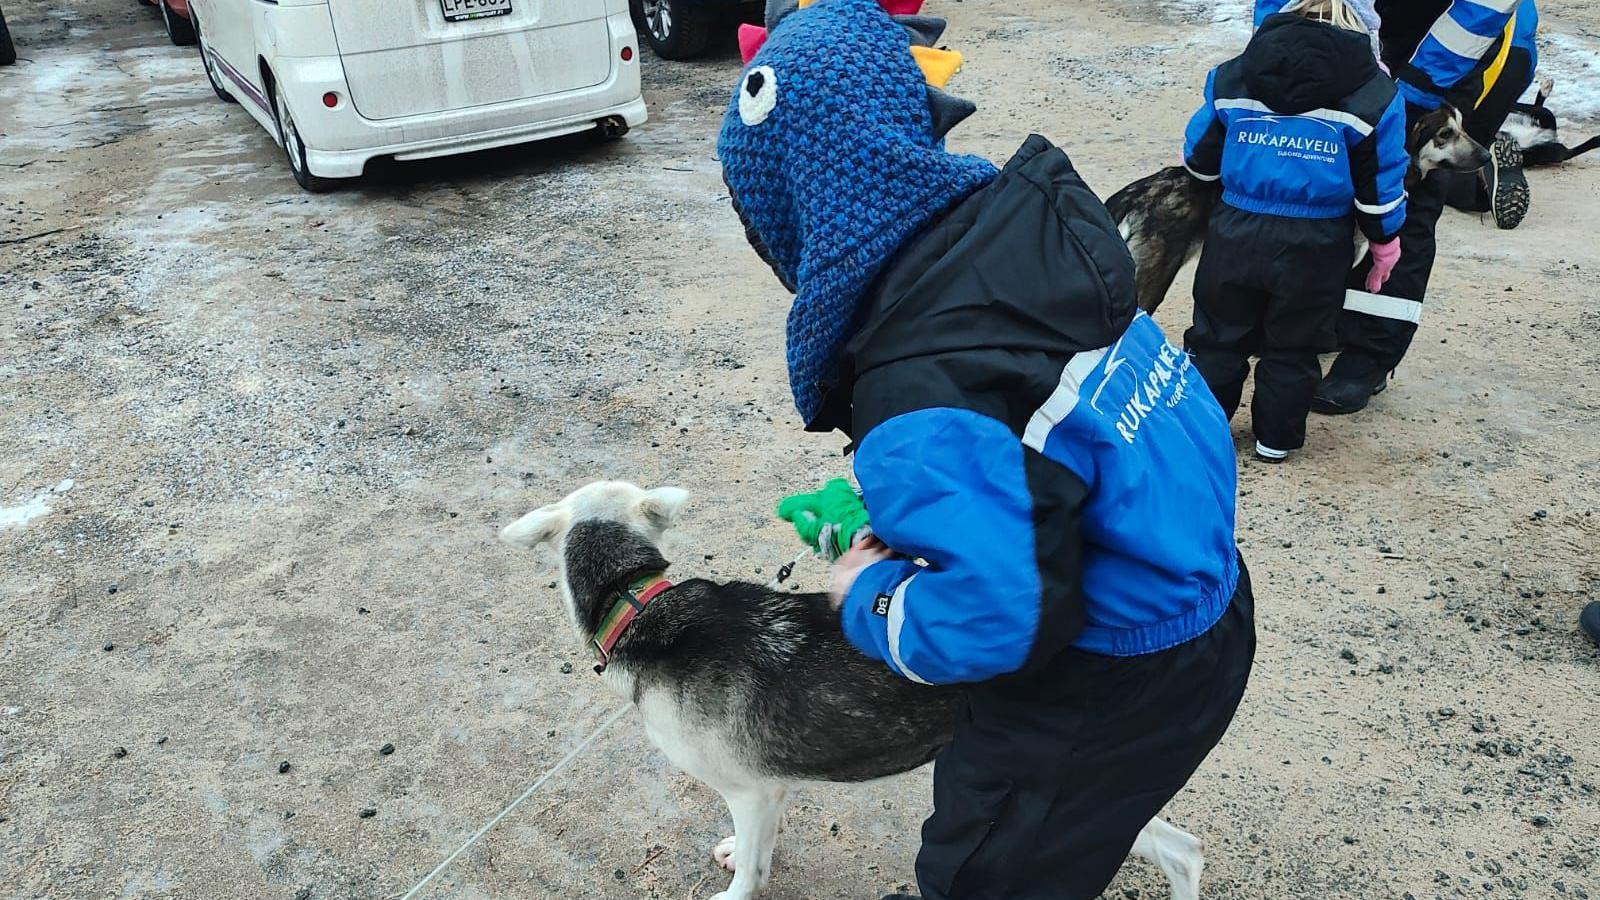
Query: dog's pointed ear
[537,527]
[662,505]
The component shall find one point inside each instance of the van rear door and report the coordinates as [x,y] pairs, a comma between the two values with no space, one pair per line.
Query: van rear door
[412,57]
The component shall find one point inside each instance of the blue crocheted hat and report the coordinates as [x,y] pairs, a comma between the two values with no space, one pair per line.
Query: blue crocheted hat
[833,152]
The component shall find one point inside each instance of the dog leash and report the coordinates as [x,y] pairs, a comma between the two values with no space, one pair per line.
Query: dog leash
[784,571]
[565,761]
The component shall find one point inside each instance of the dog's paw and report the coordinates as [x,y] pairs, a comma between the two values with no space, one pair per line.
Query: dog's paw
[1182,865]
[723,854]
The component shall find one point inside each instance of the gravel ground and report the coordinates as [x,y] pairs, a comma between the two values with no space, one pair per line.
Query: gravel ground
[255,444]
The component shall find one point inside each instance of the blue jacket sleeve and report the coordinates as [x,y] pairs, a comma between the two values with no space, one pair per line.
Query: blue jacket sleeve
[1453,48]
[1203,138]
[1378,168]
[1266,8]
[947,486]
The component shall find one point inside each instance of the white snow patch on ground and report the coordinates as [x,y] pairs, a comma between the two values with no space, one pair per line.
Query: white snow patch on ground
[1574,62]
[18,516]
[55,109]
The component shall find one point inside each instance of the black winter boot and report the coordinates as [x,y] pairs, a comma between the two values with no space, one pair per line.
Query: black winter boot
[1340,395]
[1589,621]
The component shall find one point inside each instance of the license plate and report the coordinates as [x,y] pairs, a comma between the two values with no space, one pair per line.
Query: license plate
[463,10]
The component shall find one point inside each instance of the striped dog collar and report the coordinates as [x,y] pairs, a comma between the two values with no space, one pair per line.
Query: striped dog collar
[629,603]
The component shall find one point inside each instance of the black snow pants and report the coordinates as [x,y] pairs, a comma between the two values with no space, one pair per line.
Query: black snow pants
[1052,774]
[1271,287]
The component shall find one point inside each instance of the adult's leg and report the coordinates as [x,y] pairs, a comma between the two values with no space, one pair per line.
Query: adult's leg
[1375,330]
[1505,187]
[1510,83]
[1227,312]
[1299,324]
[1052,776]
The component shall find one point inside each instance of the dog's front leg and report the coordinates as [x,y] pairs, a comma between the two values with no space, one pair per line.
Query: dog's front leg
[1176,852]
[756,813]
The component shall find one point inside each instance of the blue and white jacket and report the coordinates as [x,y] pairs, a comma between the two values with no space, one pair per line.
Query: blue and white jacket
[1054,472]
[1305,125]
[1436,48]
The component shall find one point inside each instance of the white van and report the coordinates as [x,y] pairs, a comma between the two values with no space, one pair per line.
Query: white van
[341,82]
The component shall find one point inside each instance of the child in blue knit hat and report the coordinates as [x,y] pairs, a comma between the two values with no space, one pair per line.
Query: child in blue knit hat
[1050,483]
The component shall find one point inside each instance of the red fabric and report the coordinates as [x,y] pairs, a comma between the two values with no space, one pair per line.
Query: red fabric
[901,7]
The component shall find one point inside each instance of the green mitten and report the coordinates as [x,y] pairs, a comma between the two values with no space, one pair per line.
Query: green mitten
[830,520]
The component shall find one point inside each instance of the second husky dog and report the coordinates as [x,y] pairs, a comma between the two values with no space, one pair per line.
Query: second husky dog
[1163,216]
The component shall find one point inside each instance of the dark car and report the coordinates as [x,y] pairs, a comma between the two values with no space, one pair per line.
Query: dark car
[681,29]
[175,16]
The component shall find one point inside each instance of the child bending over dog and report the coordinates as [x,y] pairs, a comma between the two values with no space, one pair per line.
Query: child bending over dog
[1308,137]
[1050,483]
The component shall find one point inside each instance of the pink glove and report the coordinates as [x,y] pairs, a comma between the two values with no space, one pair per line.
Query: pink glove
[1384,258]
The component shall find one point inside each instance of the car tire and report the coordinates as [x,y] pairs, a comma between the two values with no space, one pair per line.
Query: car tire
[207,60]
[294,147]
[674,29]
[8,50]
[179,30]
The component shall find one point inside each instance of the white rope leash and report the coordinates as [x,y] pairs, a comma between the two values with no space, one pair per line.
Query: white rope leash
[567,760]
[782,575]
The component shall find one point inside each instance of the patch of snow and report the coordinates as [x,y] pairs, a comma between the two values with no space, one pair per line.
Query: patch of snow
[18,516]
[1574,62]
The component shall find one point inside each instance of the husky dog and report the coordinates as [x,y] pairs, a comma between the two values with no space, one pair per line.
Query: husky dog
[1533,127]
[1163,216]
[750,690]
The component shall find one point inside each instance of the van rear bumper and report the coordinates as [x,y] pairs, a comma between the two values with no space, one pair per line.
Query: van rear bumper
[351,163]
[340,141]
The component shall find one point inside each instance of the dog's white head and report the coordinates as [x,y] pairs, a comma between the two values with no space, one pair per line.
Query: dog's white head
[650,513]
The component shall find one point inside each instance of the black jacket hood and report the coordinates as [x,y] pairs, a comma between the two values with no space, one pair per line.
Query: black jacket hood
[1294,64]
[1030,264]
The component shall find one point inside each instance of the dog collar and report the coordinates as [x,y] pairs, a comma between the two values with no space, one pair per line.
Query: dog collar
[629,603]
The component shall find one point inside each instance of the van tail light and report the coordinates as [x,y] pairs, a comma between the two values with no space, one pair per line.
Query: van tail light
[330,100]
[627,54]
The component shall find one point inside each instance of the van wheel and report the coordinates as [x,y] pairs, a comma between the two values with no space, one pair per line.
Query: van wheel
[179,30]
[294,147]
[8,50]
[213,74]
[674,29]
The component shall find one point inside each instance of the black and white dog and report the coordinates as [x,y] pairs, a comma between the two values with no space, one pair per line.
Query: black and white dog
[748,689]
[1533,127]
[1163,216]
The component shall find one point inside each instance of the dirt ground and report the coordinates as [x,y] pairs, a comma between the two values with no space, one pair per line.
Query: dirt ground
[255,445]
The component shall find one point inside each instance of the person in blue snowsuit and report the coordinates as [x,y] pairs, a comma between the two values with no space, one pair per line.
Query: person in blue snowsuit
[1479,56]
[1052,480]
[1308,139]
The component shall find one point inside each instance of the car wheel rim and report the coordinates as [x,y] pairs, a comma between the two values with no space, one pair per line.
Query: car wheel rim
[210,64]
[291,137]
[658,15]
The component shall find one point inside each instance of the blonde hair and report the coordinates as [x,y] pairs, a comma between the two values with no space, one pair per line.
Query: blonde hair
[1334,12]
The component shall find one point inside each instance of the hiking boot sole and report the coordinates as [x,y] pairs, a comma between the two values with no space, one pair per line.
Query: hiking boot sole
[1509,195]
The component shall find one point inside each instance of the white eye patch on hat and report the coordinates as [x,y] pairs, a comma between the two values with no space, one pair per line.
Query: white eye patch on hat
[758,94]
